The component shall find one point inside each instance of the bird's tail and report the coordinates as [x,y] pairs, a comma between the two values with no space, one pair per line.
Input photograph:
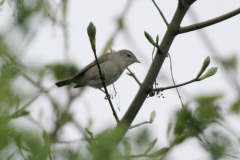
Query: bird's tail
[63,82]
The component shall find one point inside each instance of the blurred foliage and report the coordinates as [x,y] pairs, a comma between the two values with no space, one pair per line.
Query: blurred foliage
[58,69]
[217,145]
[231,62]
[190,123]
[27,9]
[235,108]
[193,123]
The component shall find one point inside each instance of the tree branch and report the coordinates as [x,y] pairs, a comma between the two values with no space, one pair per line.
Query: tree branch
[139,124]
[133,75]
[118,133]
[164,19]
[179,85]
[209,22]
[105,88]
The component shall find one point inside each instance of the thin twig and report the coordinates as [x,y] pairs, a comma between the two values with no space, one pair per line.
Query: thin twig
[164,19]
[105,88]
[91,135]
[20,150]
[35,122]
[139,124]
[209,22]
[15,114]
[78,126]
[10,157]
[133,75]
[116,93]
[174,81]
[49,152]
[179,85]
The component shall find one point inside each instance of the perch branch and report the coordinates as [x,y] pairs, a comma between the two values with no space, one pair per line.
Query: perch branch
[105,88]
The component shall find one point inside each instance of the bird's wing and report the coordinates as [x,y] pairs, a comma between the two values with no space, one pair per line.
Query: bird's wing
[101,59]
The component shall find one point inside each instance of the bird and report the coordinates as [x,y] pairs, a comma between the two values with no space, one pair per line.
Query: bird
[114,63]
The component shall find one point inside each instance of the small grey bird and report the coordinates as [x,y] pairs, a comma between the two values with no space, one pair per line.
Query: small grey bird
[114,63]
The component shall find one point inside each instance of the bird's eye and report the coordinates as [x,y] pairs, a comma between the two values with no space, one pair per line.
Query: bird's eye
[128,55]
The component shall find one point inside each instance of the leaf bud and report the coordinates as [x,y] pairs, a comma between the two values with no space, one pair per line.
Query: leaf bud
[152,116]
[104,74]
[149,38]
[204,66]
[209,73]
[91,30]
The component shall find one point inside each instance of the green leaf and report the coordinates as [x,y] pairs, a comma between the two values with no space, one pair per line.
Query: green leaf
[4,50]
[159,152]
[207,113]
[204,100]
[157,38]
[218,145]
[45,137]
[151,145]
[129,74]
[235,108]
[169,128]
[88,131]
[41,73]
[127,147]
[112,50]
[24,113]
[230,62]
[179,139]
[183,117]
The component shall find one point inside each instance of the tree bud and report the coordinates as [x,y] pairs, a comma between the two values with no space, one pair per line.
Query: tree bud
[204,66]
[104,74]
[209,73]
[91,30]
[152,116]
[149,38]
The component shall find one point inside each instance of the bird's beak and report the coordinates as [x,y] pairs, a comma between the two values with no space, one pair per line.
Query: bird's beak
[136,60]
